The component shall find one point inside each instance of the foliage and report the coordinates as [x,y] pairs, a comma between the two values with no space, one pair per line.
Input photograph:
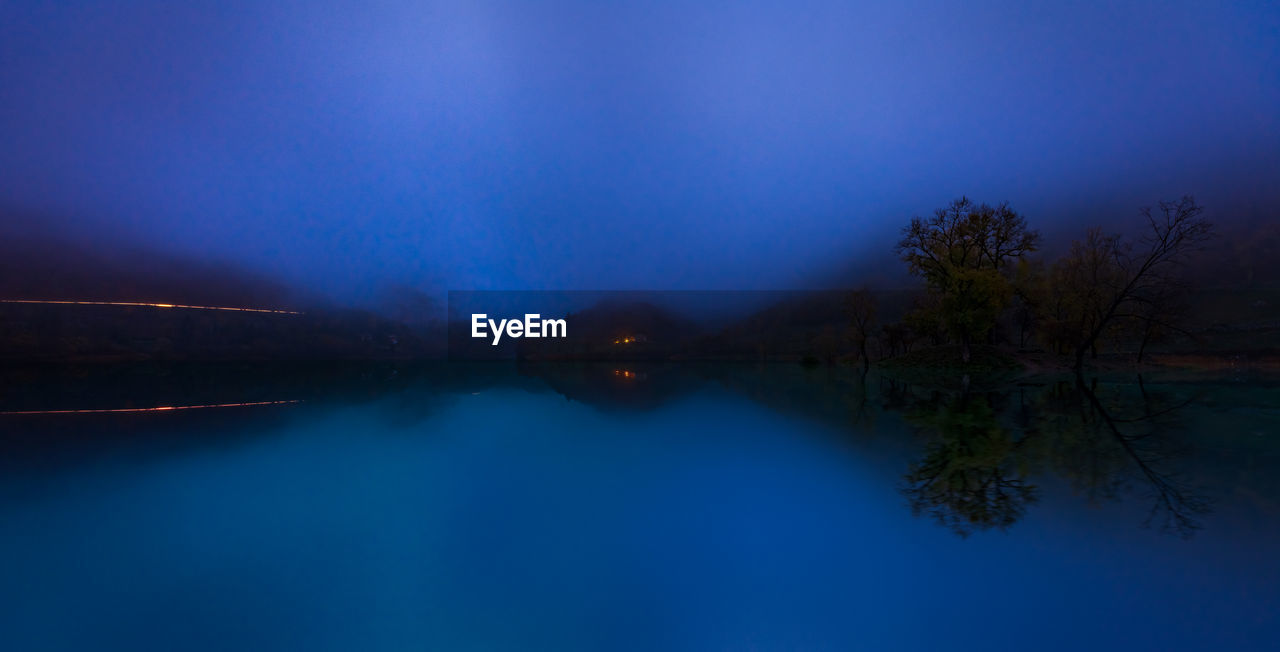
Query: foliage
[982,286]
[1078,289]
[1107,279]
[971,301]
[964,253]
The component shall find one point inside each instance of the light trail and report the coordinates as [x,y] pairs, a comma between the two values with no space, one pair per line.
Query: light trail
[139,304]
[162,408]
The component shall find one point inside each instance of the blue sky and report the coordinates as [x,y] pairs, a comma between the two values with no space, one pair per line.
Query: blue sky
[659,145]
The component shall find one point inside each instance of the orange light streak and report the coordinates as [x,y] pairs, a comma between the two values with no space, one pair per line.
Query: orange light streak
[162,408]
[139,304]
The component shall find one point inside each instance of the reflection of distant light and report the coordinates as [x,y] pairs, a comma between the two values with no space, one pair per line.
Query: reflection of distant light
[162,408]
[137,304]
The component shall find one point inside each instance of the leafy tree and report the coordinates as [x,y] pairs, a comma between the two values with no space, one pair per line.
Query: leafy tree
[964,254]
[924,319]
[972,300]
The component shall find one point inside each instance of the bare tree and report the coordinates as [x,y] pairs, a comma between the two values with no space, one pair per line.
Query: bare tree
[1107,278]
[1158,314]
[966,234]
[861,308]
[1080,291]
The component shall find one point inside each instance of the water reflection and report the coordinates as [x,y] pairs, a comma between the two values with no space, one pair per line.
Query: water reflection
[974,471]
[977,452]
[683,507]
[985,450]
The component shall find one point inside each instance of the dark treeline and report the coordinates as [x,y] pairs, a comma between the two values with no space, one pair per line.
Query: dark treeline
[987,289]
[989,295]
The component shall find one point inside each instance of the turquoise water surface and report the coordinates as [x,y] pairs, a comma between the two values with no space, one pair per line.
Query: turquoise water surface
[597,507]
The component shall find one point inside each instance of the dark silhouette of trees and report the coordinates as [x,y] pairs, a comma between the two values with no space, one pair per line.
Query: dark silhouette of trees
[1026,290]
[1079,289]
[964,253]
[1107,278]
[1159,315]
[897,339]
[925,319]
[860,305]
[983,287]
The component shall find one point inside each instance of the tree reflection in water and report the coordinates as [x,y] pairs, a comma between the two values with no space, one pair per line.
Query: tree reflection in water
[984,450]
[974,472]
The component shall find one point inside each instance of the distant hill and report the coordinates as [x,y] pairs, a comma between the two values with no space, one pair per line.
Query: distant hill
[39,263]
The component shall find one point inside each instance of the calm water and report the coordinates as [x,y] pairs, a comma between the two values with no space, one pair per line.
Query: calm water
[729,507]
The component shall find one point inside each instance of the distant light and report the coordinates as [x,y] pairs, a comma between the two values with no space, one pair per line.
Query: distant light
[139,304]
[162,408]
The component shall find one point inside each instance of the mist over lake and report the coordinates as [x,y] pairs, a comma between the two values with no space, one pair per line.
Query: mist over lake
[660,326]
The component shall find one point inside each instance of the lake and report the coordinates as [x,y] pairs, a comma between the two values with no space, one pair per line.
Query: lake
[490,506]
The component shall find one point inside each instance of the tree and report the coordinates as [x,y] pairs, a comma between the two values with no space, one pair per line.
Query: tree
[860,305]
[1158,315]
[1028,284]
[964,254]
[897,339]
[1076,290]
[1107,278]
[924,319]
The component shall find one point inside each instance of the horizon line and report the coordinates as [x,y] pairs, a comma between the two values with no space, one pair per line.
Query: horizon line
[143,304]
[159,408]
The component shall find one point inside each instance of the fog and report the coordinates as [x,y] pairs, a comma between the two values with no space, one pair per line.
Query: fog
[334,150]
